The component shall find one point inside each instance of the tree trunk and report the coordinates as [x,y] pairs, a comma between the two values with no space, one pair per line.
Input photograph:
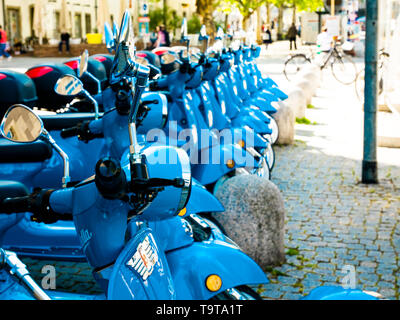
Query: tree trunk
[165,7]
[268,5]
[280,23]
[205,9]
[259,26]
[294,14]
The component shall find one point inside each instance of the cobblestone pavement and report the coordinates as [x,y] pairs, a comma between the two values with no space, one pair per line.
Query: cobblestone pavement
[332,219]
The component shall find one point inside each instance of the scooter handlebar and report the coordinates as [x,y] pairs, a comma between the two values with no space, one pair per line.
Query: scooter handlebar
[69,133]
[37,203]
[82,131]
[15,205]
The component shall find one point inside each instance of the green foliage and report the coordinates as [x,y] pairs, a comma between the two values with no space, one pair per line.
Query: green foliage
[194,25]
[157,18]
[302,5]
[305,121]
[293,252]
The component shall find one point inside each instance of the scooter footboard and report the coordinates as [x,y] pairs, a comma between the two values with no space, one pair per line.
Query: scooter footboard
[192,266]
[11,289]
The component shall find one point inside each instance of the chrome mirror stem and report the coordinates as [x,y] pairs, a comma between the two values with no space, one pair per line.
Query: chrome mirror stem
[66,178]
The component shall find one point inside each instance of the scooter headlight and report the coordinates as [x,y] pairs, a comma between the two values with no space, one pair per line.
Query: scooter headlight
[168,163]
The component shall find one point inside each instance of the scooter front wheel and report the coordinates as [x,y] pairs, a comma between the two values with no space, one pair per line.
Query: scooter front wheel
[238,293]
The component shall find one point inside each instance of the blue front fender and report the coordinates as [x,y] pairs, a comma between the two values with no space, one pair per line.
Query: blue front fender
[215,168]
[338,293]
[202,201]
[191,266]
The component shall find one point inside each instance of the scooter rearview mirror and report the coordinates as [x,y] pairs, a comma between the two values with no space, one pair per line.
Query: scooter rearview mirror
[203,33]
[125,28]
[20,124]
[83,63]
[184,29]
[109,37]
[69,86]
[220,34]
[168,58]
[115,32]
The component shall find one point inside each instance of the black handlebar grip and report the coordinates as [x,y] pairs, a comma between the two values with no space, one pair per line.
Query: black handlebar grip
[15,205]
[71,132]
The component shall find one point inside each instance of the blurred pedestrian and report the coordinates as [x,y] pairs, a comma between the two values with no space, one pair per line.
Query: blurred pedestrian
[160,38]
[3,44]
[292,35]
[324,44]
[267,36]
[166,36]
[65,36]
[153,38]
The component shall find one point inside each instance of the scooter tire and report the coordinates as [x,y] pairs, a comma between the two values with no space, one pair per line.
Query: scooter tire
[238,293]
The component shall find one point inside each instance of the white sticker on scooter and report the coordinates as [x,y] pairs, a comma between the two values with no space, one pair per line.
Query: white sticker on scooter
[144,259]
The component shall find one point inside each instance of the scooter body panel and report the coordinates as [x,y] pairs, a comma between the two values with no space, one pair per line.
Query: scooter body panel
[191,266]
[141,272]
[338,293]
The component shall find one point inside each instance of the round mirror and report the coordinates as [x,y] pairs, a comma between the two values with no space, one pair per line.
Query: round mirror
[142,61]
[69,86]
[83,63]
[184,54]
[21,124]
[109,37]
[168,58]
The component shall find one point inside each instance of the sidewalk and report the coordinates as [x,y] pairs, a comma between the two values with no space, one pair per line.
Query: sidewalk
[332,220]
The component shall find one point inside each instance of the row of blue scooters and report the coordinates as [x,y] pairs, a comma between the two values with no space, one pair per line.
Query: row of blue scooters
[121,173]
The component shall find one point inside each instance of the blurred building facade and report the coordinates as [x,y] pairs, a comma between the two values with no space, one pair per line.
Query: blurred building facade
[17,16]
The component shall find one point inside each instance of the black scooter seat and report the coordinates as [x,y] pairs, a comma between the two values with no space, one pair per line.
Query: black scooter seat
[12,152]
[12,189]
[62,121]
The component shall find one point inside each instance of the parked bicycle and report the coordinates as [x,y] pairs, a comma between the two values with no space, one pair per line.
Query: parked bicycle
[360,81]
[342,66]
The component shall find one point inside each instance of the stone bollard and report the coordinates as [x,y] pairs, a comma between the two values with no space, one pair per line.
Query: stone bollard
[254,218]
[306,87]
[285,118]
[297,102]
[310,75]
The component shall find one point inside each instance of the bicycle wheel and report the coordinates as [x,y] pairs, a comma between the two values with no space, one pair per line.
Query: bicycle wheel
[295,64]
[360,84]
[344,69]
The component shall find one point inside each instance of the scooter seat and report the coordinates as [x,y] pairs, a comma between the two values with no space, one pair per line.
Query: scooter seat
[12,152]
[58,122]
[12,189]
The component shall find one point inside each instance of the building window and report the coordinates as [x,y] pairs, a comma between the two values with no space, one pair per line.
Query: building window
[56,27]
[88,21]
[78,25]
